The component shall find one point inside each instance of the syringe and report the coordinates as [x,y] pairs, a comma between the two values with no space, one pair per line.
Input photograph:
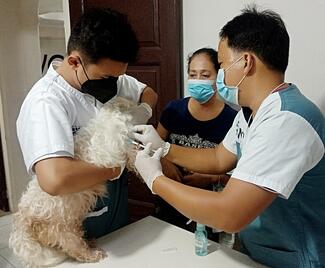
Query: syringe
[139,145]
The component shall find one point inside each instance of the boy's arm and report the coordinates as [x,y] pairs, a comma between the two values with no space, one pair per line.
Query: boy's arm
[63,175]
[149,96]
[143,111]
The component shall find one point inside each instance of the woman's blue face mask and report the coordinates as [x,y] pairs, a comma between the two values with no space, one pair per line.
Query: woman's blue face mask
[201,90]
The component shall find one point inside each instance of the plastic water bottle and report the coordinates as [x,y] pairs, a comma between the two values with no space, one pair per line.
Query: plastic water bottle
[201,240]
[217,187]
[227,239]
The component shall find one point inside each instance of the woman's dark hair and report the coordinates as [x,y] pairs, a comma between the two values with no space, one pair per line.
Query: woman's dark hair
[262,33]
[104,33]
[210,52]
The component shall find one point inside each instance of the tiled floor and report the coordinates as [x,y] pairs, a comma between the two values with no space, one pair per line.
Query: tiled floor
[2,213]
[7,259]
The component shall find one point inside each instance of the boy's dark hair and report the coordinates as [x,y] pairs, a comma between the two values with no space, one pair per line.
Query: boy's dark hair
[210,52]
[104,33]
[260,32]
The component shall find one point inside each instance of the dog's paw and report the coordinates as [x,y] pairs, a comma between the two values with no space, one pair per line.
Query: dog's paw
[94,255]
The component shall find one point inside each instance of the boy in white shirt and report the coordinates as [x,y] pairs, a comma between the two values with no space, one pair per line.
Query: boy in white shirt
[71,93]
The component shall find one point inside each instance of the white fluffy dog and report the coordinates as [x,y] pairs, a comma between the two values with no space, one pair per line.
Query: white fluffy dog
[48,228]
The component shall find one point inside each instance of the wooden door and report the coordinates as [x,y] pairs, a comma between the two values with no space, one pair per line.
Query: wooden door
[157,24]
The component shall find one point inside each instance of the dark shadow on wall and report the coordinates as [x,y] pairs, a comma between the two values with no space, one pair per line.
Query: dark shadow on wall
[4,205]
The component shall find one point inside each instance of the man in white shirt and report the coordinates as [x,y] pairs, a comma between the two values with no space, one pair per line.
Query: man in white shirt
[71,93]
[275,196]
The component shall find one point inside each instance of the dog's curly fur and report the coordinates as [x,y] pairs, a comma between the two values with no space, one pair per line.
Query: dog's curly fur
[47,229]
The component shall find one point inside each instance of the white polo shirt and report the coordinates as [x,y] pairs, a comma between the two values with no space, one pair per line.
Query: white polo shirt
[53,111]
[283,142]
[283,151]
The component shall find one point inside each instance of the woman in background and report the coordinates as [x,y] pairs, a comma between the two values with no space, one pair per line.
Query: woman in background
[201,121]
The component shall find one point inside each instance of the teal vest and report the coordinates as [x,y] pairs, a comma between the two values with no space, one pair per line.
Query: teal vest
[291,233]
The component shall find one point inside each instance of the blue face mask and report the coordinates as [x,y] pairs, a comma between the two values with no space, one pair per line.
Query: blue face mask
[201,90]
[228,93]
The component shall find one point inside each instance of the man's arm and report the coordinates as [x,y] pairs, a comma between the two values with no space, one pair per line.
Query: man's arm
[216,160]
[230,210]
[63,175]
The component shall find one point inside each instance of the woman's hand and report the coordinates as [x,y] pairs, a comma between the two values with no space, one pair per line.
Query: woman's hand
[198,180]
[204,180]
[170,170]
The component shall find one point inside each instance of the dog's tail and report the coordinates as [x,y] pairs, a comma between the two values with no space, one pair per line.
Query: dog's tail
[29,250]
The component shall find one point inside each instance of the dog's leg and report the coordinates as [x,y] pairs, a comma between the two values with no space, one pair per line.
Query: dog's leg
[69,241]
[77,248]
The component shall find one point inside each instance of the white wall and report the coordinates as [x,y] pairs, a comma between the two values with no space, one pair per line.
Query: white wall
[19,69]
[21,33]
[304,19]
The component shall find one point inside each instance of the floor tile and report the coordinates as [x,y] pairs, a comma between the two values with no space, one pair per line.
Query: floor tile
[9,256]
[2,213]
[4,235]
[5,220]
[5,264]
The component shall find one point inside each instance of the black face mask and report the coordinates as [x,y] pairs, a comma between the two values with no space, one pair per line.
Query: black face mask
[101,89]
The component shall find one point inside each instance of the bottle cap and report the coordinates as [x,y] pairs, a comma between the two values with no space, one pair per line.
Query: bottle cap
[200,227]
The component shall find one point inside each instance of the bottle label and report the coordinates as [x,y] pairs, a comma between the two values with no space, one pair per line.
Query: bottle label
[199,244]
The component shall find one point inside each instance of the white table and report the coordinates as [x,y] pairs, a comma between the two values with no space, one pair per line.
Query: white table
[154,243]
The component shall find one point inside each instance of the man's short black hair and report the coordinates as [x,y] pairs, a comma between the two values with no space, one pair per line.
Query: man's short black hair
[104,33]
[262,33]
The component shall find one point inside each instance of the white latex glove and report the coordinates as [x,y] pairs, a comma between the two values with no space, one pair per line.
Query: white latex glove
[141,113]
[148,166]
[146,134]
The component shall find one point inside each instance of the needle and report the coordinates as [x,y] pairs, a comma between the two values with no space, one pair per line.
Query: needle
[137,144]
[140,145]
